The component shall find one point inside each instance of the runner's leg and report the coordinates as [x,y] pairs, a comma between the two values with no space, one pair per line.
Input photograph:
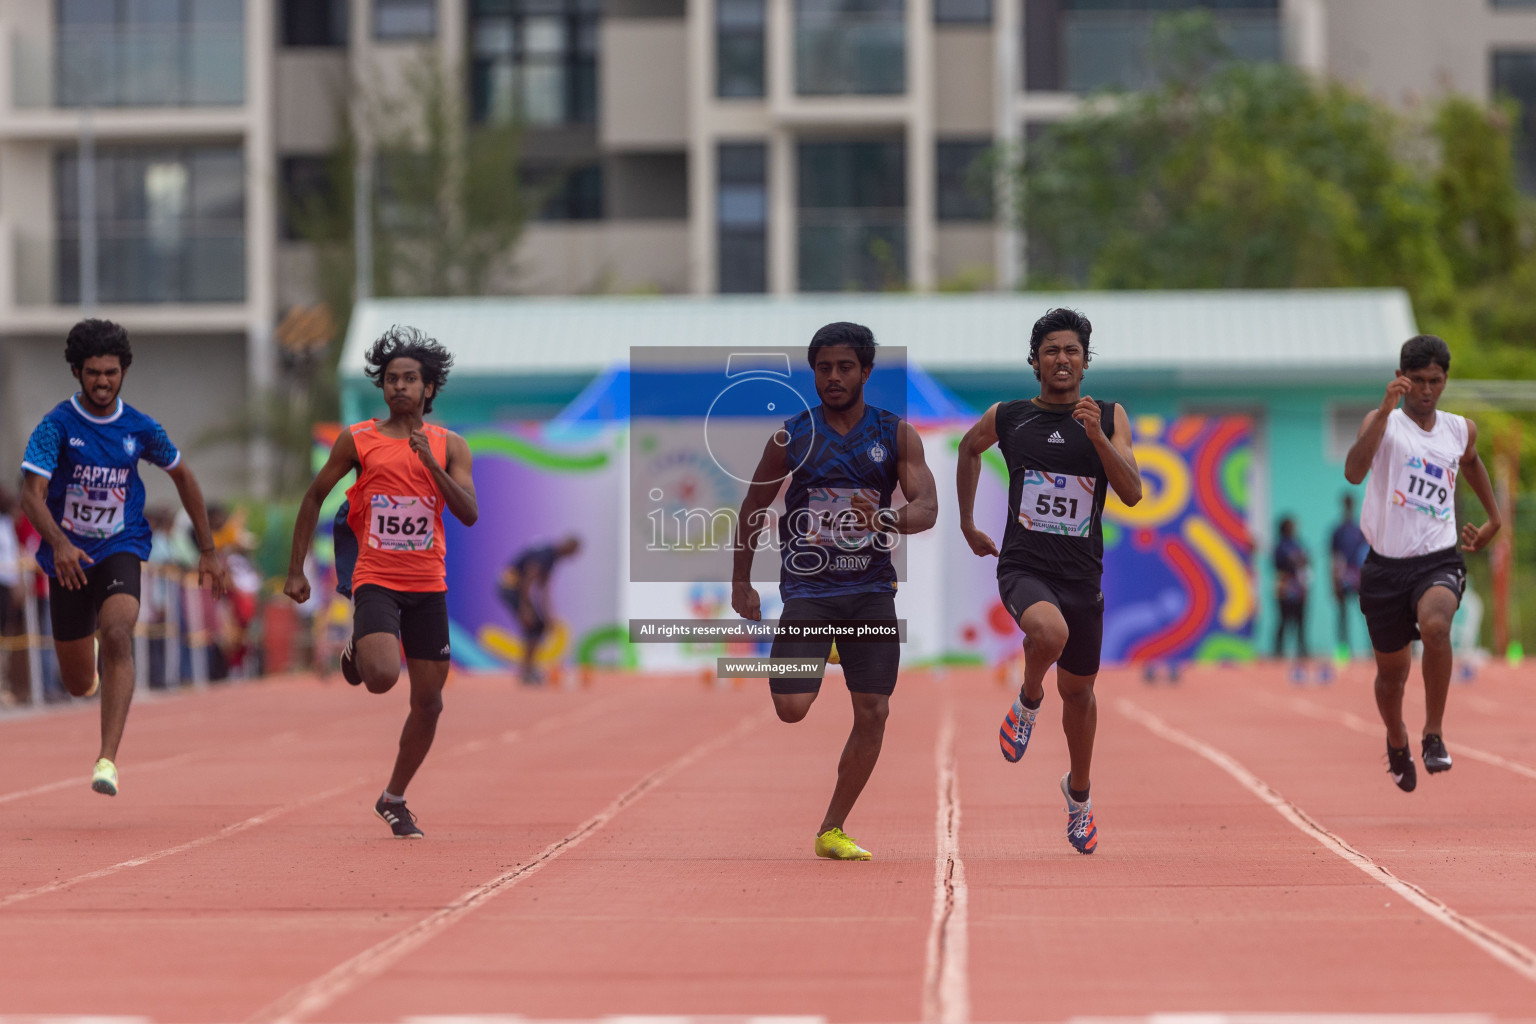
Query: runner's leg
[1391,678]
[859,754]
[792,707]
[1436,609]
[117,618]
[77,664]
[427,679]
[1045,634]
[377,656]
[1079,720]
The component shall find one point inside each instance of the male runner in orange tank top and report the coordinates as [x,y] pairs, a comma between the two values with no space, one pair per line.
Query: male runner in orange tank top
[407,471]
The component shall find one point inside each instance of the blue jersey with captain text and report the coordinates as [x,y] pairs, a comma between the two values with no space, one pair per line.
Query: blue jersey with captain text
[822,554]
[91,464]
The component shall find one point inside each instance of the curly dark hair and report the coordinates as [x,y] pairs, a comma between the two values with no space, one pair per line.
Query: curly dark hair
[91,338]
[1059,319]
[856,336]
[409,343]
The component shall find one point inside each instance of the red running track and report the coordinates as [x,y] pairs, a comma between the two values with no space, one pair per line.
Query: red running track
[642,847]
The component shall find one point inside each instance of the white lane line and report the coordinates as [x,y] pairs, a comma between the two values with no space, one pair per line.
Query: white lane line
[148,858]
[315,996]
[1349,720]
[84,782]
[946,983]
[1502,948]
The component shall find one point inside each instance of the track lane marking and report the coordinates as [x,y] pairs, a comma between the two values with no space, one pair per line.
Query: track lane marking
[1502,948]
[509,736]
[320,993]
[946,984]
[1350,720]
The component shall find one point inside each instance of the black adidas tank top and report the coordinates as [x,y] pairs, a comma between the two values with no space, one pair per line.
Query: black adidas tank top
[1056,491]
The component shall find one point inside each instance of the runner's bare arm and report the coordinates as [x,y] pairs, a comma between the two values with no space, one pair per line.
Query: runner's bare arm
[208,562]
[1120,460]
[981,436]
[1372,429]
[1473,537]
[342,460]
[67,559]
[455,480]
[771,470]
[922,508]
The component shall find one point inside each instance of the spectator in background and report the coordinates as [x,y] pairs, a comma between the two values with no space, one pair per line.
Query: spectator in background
[14,685]
[1349,549]
[30,540]
[162,597]
[524,588]
[1292,575]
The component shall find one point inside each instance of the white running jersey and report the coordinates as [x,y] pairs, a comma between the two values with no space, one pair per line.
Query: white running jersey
[1410,494]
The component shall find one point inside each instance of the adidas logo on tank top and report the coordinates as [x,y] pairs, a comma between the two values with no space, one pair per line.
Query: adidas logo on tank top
[1056,438]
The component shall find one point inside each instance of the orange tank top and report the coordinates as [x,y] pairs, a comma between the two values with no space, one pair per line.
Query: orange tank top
[397,512]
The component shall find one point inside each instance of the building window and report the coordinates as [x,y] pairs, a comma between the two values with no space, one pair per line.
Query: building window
[170,224]
[1514,76]
[847,47]
[964,193]
[963,12]
[315,22]
[404,19]
[534,60]
[740,48]
[742,217]
[1088,45]
[150,53]
[566,193]
[307,191]
[853,209]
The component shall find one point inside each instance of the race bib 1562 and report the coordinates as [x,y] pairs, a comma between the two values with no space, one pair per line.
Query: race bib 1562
[1056,503]
[1425,487]
[94,512]
[400,522]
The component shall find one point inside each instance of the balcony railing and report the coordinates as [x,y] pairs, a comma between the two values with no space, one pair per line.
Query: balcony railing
[852,250]
[134,266]
[846,48]
[187,65]
[1109,49]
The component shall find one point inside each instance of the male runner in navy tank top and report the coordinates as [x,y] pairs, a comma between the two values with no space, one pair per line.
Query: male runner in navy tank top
[1063,450]
[843,459]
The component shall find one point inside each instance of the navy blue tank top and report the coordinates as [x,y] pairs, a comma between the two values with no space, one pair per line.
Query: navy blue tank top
[821,554]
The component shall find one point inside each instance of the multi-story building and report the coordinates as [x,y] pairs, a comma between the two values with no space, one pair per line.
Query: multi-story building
[691,146]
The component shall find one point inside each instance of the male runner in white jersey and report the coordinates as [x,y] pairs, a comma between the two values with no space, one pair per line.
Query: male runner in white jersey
[1063,450]
[1413,577]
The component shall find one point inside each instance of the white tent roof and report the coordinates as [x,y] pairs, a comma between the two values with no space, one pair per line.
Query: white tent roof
[1297,334]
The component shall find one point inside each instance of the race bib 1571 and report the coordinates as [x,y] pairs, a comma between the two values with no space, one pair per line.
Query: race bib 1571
[1056,503]
[400,522]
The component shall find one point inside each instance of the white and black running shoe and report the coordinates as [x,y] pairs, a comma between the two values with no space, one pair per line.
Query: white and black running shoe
[1400,767]
[349,670]
[400,821]
[1436,757]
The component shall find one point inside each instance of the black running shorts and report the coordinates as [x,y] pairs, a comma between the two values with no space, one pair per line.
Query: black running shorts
[1390,590]
[1081,604]
[420,620]
[73,612]
[869,666]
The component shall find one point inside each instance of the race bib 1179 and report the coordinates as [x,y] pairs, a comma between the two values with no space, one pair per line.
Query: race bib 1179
[1425,487]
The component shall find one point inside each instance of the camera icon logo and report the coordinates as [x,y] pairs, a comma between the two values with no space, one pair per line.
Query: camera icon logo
[758,392]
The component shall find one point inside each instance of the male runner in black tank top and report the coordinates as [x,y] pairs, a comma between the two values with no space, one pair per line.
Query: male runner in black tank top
[1064,450]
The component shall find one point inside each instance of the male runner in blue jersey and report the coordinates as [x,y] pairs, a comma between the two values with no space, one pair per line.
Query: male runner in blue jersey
[843,460]
[83,493]
[1064,450]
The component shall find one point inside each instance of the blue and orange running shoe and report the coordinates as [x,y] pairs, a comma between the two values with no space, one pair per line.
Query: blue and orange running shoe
[1082,833]
[1017,725]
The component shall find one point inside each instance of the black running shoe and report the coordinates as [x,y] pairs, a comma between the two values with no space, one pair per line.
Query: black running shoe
[1400,767]
[400,820]
[1436,757]
[349,670]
